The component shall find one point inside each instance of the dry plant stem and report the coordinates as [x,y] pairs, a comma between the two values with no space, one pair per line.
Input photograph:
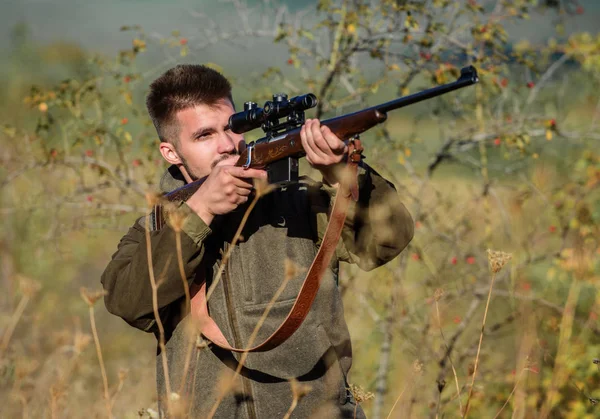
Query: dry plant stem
[189,415]
[384,363]
[13,323]
[236,237]
[437,309]
[161,329]
[487,305]
[559,376]
[249,345]
[484,163]
[288,414]
[53,405]
[101,361]
[186,288]
[399,396]
[23,400]
[511,393]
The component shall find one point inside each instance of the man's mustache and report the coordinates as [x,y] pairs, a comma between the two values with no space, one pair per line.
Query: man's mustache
[223,157]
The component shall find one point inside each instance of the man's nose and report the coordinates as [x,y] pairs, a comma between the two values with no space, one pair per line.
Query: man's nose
[226,144]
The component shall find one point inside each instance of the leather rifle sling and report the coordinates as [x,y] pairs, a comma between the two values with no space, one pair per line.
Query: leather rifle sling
[310,287]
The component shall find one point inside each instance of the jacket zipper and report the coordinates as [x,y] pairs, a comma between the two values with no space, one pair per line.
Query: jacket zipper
[231,316]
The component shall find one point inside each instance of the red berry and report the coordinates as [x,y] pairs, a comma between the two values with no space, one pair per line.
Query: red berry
[183,41]
[471,260]
[530,84]
[136,163]
[454,260]
[126,79]
[418,224]
[553,122]
[504,82]
[526,286]
[552,229]
[53,153]
[290,61]
[456,319]
[90,198]
[124,121]
[497,141]
[579,10]
[89,153]
[415,256]
[425,55]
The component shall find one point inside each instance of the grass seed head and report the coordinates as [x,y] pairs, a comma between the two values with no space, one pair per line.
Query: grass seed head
[418,366]
[359,394]
[497,260]
[152,199]
[262,187]
[299,390]
[82,340]
[90,297]
[291,269]
[28,286]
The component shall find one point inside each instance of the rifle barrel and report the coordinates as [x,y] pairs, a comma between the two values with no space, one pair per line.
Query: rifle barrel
[468,76]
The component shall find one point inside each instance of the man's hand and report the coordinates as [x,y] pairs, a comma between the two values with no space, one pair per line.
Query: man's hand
[324,150]
[226,188]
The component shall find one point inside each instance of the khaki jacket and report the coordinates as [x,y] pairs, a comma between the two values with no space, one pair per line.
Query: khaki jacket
[288,223]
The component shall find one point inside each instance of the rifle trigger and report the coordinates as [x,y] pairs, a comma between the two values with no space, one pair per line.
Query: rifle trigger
[249,157]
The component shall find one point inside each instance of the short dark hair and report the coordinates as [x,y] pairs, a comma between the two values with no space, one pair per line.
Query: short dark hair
[182,87]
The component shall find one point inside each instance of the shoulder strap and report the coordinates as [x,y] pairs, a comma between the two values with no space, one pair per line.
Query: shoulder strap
[347,190]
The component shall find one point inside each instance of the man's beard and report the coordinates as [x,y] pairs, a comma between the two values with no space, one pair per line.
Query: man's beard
[218,160]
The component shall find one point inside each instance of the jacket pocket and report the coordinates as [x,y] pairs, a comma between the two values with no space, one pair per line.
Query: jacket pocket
[260,265]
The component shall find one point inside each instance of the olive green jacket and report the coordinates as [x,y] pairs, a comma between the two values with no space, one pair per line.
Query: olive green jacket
[288,224]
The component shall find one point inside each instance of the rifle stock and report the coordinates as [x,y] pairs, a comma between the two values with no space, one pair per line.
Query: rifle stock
[268,151]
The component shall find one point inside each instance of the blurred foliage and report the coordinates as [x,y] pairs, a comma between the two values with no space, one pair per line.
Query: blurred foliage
[510,164]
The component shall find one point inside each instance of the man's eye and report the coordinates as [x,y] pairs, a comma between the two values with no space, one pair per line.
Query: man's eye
[203,136]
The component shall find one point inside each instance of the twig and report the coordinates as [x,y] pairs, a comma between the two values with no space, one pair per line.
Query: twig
[437,309]
[487,305]
[101,361]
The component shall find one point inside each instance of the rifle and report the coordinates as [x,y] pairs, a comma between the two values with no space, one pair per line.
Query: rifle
[278,152]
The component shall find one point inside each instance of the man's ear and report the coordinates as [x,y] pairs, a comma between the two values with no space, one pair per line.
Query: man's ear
[169,153]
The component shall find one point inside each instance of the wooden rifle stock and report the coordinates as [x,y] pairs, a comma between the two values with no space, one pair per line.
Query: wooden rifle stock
[288,144]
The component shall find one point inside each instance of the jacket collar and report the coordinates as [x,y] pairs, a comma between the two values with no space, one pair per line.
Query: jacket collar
[171,179]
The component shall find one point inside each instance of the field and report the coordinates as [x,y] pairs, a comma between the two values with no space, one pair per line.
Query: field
[510,165]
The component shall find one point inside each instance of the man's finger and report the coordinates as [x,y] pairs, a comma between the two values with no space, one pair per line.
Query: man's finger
[243,191]
[240,172]
[313,151]
[337,145]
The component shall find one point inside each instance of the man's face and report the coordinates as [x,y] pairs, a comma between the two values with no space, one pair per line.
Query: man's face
[203,140]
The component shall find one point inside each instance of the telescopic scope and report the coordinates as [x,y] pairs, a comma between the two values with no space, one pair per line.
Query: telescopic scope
[253,117]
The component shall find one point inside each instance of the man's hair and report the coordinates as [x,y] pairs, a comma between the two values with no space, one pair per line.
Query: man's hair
[182,87]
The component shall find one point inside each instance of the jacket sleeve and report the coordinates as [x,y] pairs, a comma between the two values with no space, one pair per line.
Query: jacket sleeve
[377,228]
[126,279]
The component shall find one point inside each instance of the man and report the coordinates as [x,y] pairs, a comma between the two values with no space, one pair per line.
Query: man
[190,106]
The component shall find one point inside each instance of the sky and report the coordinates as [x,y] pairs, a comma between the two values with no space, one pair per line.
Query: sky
[95,24]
